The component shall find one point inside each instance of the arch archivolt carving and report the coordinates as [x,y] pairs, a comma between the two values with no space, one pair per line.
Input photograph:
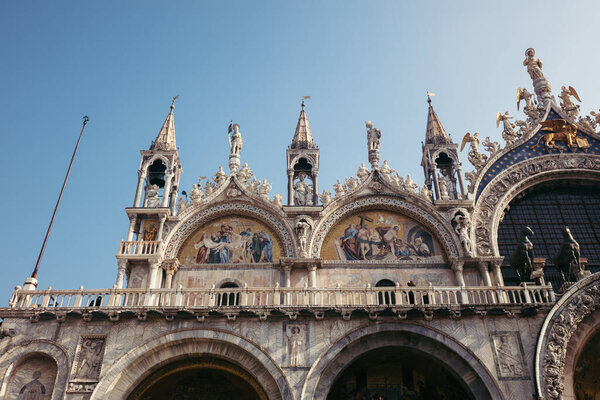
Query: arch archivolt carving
[458,359]
[192,222]
[556,337]
[515,179]
[131,369]
[428,218]
[48,348]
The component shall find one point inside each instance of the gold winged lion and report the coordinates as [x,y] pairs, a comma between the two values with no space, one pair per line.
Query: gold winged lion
[561,131]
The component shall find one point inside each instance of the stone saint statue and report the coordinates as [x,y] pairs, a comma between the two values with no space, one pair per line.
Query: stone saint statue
[220,176]
[362,173]
[152,196]
[302,229]
[462,227]
[533,64]
[302,191]
[235,139]
[373,136]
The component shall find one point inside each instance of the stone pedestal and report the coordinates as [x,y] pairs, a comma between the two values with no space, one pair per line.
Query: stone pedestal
[543,90]
[374,158]
[30,284]
[234,163]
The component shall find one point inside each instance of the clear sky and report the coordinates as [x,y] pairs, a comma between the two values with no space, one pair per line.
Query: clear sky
[250,61]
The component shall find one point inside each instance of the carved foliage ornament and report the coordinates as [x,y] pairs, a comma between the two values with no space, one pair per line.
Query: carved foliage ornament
[504,187]
[557,332]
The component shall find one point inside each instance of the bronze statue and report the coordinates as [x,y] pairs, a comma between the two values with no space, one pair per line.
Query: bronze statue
[521,260]
[568,260]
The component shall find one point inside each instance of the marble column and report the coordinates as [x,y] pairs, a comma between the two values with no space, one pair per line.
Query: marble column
[122,263]
[485,273]
[287,269]
[312,276]
[132,221]
[315,190]
[140,186]
[290,187]
[498,273]
[153,274]
[460,182]
[161,226]
[436,184]
[167,190]
[457,267]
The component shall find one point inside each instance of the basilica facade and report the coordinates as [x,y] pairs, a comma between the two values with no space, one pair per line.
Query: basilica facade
[479,284]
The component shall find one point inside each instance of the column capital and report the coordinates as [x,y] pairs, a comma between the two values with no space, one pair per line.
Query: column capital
[170,265]
[457,266]
[132,218]
[141,173]
[122,263]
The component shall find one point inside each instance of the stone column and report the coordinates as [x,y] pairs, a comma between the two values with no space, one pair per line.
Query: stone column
[290,187]
[122,268]
[173,198]
[161,226]
[140,186]
[457,267]
[498,273]
[169,280]
[436,184]
[460,182]
[167,190]
[312,276]
[485,273]
[132,220]
[315,190]
[152,274]
[287,269]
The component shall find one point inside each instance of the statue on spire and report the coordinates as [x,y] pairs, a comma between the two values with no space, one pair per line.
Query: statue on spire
[235,142]
[373,137]
[533,64]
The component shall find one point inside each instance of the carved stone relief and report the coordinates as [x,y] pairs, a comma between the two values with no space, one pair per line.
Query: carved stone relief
[508,355]
[560,325]
[295,345]
[89,362]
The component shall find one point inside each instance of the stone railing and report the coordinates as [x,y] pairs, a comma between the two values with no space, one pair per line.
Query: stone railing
[395,297]
[141,248]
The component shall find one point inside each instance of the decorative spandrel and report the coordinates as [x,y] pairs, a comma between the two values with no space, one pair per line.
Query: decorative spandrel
[232,239]
[379,235]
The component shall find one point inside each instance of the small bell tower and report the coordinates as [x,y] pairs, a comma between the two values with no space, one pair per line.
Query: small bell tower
[155,196]
[303,164]
[440,161]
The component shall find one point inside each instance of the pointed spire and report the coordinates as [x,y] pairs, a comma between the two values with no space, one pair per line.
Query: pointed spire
[303,136]
[435,133]
[166,137]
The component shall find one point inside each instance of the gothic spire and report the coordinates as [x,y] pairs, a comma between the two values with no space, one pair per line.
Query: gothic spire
[303,136]
[435,133]
[166,137]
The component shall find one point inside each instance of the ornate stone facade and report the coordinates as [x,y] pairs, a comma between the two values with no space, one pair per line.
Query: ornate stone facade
[233,294]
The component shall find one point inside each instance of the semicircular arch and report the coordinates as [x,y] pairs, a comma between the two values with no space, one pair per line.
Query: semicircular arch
[428,218]
[510,183]
[192,222]
[464,364]
[56,352]
[131,369]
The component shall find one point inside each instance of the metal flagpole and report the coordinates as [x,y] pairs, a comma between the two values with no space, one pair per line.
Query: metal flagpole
[37,264]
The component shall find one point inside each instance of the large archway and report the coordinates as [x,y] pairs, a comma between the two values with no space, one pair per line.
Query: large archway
[199,377]
[395,373]
[458,364]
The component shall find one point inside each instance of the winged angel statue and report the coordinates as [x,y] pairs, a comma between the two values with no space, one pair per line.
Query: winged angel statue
[476,158]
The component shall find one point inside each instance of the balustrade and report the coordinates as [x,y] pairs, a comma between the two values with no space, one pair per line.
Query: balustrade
[132,248]
[395,297]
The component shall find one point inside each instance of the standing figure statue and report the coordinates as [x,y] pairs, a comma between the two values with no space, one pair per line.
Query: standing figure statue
[363,172]
[508,133]
[302,191]
[521,260]
[373,136]
[568,260]
[235,139]
[462,227]
[302,230]
[533,64]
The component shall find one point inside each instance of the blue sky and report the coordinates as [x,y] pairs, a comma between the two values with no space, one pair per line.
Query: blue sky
[250,61]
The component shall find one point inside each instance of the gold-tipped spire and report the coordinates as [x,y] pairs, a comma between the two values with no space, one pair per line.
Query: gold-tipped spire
[303,136]
[166,136]
[435,133]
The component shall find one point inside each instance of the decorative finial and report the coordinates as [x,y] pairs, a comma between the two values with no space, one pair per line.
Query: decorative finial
[429,95]
[173,102]
[304,98]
